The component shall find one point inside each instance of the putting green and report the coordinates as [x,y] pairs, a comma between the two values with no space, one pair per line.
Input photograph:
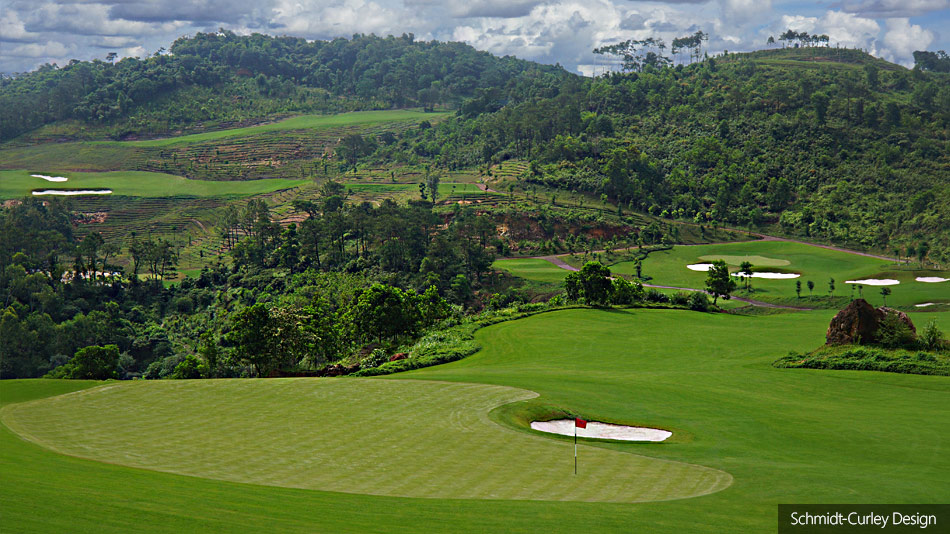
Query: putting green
[396,438]
[755,260]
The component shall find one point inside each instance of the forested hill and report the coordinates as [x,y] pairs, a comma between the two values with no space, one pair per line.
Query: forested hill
[218,79]
[816,142]
[812,141]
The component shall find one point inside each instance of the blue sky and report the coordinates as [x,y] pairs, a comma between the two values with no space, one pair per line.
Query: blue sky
[33,32]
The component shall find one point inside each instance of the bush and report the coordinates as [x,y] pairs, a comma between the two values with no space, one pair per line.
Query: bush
[894,333]
[698,302]
[932,337]
[680,298]
[654,295]
[189,368]
[90,363]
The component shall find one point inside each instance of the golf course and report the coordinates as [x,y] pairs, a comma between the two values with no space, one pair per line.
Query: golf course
[452,443]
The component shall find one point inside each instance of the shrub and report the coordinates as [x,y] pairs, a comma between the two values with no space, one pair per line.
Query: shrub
[90,363]
[698,302]
[932,338]
[680,298]
[189,368]
[654,295]
[894,333]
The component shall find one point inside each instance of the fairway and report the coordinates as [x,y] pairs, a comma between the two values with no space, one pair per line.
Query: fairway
[816,264]
[303,122]
[532,269]
[354,436]
[19,183]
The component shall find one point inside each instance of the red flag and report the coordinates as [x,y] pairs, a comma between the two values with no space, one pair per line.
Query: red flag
[580,423]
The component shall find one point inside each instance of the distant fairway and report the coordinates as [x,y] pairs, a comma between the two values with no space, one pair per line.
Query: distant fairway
[303,122]
[400,438]
[668,267]
[19,183]
[532,269]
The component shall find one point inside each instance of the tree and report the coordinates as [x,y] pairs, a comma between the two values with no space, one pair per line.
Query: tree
[719,283]
[745,269]
[625,292]
[572,286]
[383,312]
[798,288]
[595,284]
[811,287]
[91,363]
[831,288]
[885,291]
[922,251]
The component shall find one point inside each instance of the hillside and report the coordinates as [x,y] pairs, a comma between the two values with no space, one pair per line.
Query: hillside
[218,80]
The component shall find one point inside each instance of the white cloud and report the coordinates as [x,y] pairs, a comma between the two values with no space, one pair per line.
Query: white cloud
[902,39]
[13,29]
[50,49]
[893,8]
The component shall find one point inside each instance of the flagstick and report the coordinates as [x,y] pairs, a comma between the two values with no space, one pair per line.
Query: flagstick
[575,448]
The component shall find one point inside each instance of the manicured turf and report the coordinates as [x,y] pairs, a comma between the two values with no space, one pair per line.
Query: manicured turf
[817,264]
[785,435]
[19,183]
[532,269]
[350,435]
[303,122]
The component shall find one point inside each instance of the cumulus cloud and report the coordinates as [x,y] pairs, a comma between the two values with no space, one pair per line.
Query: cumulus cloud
[902,39]
[893,8]
[564,31]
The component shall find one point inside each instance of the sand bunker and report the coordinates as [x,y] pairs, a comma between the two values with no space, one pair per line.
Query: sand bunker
[699,267]
[72,193]
[565,427]
[50,178]
[931,279]
[924,305]
[770,276]
[874,282]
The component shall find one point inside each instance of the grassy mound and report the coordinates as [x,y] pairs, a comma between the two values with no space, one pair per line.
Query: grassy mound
[858,358]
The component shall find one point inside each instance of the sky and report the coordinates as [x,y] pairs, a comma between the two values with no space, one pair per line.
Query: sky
[34,32]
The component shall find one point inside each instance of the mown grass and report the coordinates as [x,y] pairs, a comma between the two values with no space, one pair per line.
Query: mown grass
[785,435]
[303,122]
[19,183]
[537,270]
[813,263]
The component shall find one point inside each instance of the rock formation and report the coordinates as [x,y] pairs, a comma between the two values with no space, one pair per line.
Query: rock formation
[858,323]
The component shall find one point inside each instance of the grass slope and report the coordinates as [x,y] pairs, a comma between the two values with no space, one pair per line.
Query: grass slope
[353,436]
[19,183]
[303,122]
[786,435]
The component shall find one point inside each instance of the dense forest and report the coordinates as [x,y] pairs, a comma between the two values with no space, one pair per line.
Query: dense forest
[216,79]
[825,143]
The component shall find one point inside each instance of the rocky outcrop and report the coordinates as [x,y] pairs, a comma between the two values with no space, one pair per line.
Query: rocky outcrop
[858,323]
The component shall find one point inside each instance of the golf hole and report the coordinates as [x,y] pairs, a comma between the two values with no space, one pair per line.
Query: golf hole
[565,427]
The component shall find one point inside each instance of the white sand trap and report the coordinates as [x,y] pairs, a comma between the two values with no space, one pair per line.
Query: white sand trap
[924,305]
[770,276]
[50,178]
[874,282]
[72,193]
[565,427]
[698,267]
[931,279]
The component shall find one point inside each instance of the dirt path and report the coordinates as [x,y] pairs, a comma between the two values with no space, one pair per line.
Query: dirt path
[485,188]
